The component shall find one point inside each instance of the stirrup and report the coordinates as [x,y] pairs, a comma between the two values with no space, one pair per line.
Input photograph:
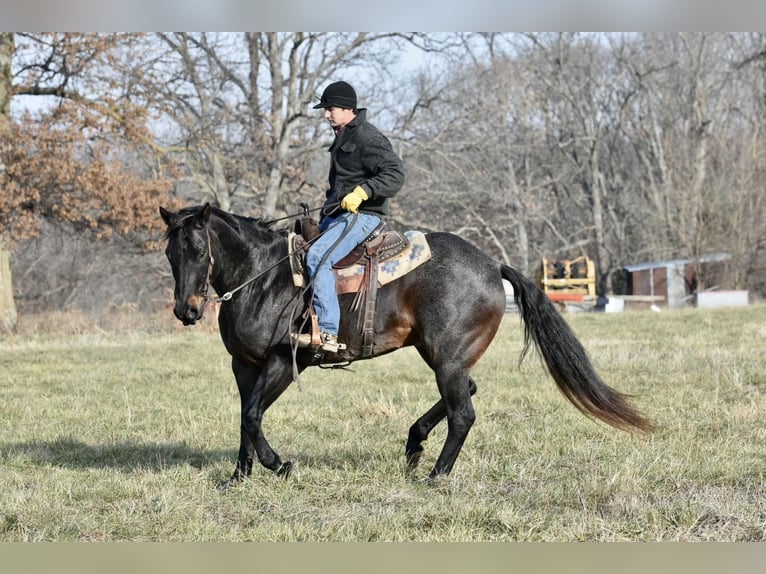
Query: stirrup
[328,343]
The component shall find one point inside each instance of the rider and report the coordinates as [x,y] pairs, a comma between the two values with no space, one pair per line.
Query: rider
[364,172]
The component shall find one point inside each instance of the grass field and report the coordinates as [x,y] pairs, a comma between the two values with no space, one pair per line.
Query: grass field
[123,436]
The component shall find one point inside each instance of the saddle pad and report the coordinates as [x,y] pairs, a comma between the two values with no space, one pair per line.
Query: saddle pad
[349,279]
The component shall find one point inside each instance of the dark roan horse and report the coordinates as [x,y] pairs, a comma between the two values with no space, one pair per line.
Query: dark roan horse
[448,308]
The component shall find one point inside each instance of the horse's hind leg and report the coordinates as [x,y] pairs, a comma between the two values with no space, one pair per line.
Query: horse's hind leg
[452,379]
[420,430]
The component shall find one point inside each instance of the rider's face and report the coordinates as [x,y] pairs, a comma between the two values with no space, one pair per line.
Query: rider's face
[338,117]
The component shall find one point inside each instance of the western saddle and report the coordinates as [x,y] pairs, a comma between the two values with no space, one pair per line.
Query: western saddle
[379,246]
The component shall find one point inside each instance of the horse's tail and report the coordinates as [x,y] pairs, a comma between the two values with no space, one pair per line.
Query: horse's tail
[566,359]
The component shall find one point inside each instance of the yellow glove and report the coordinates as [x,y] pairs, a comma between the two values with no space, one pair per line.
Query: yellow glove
[354,199]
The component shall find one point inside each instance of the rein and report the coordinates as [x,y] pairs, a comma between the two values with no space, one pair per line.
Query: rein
[304,213]
[211,261]
[228,295]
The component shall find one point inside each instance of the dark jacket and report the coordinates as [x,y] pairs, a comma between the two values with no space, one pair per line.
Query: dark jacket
[362,155]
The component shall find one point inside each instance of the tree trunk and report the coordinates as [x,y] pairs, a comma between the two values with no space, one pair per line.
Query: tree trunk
[604,282]
[8,314]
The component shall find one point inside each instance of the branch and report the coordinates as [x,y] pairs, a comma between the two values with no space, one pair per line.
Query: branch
[58,91]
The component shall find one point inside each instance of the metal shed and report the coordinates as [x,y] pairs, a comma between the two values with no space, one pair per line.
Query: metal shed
[672,280]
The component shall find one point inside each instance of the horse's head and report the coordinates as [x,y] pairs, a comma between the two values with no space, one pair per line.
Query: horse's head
[190,256]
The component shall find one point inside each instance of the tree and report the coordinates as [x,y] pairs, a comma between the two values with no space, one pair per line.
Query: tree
[8,314]
[697,131]
[238,108]
[738,159]
[576,79]
[468,163]
[627,147]
[80,159]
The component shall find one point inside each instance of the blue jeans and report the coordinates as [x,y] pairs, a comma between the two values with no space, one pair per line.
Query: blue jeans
[325,297]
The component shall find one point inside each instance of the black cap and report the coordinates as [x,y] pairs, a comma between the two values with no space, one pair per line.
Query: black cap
[339,95]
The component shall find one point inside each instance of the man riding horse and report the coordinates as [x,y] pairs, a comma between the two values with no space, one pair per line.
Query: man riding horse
[364,172]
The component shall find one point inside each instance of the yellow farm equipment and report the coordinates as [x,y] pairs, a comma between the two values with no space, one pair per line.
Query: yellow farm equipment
[569,281]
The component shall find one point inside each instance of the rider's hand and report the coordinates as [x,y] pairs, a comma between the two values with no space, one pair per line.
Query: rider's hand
[354,199]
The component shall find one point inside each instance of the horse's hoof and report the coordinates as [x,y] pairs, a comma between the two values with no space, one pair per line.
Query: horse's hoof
[413,458]
[285,469]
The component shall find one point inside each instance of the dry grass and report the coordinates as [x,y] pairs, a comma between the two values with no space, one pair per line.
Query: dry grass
[117,434]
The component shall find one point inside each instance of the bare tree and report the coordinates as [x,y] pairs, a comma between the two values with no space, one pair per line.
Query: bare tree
[738,159]
[238,105]
[696,133]
[470,160]
[576,80]
[622,146]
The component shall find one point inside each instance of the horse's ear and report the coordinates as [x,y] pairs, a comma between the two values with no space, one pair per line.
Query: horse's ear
[204,216]
[168,217]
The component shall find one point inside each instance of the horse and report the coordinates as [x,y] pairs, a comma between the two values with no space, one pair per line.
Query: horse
[449,309]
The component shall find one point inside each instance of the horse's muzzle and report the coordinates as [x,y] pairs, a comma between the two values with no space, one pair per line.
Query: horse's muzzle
[191,310]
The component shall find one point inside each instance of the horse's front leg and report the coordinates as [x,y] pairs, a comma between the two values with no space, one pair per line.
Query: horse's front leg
[245,375]
[258,389]
[244,466]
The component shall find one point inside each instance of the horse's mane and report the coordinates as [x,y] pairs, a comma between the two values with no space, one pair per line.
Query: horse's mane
[242,225]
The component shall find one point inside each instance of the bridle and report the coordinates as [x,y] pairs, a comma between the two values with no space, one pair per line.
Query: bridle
[210,263]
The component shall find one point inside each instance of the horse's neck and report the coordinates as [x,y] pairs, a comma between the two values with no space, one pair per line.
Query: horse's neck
[240,256]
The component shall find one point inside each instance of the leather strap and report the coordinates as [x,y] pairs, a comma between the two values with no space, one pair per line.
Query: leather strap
[368,328]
